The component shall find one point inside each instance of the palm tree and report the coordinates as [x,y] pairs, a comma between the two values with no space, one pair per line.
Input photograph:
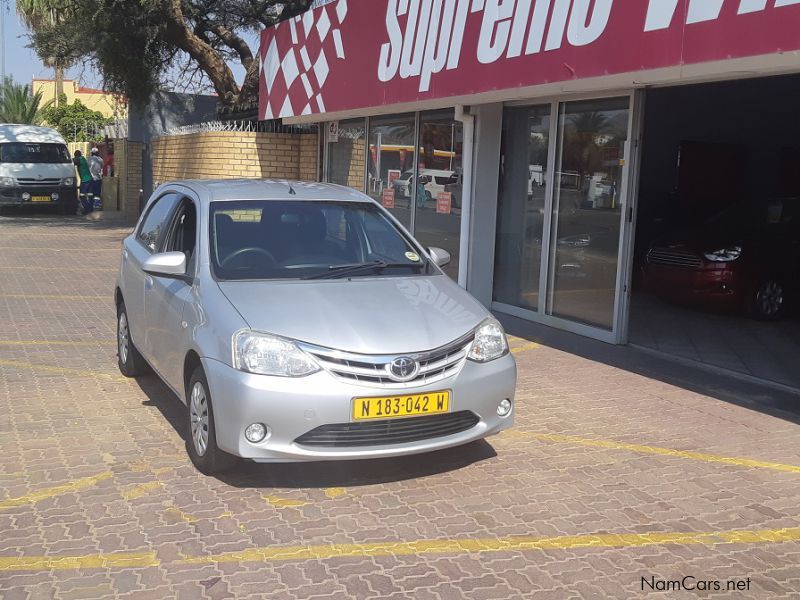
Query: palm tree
[19,105]
[37,14]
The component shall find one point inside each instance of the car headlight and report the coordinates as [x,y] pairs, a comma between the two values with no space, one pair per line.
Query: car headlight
[489,343]
[266,354]
[7,181]
[68,181]
[724,254]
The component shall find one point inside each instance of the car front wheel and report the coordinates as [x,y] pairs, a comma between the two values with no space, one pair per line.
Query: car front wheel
[202,443]
[769,300]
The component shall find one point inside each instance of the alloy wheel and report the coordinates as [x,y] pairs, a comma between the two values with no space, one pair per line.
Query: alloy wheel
[198,413]
[769,298]
[123,338]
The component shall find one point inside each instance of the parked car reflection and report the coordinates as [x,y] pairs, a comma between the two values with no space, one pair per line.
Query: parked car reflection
[743,258]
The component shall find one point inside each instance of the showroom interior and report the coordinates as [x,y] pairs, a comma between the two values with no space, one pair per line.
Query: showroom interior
[717,239]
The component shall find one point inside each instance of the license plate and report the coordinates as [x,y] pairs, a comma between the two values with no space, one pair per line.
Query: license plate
[40,198]
[409,405]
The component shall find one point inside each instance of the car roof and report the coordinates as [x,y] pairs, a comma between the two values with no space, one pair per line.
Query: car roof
[12,132]
[213,190]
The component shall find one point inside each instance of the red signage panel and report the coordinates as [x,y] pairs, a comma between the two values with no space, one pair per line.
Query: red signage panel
[444,202]
[388,197]
[351,54]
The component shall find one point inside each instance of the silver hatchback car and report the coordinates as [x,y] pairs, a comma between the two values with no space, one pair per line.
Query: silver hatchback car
[302,322]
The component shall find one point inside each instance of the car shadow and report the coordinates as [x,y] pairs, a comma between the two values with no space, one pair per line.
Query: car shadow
[322,474]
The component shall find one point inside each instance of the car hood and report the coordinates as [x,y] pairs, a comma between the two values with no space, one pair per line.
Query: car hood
[699,241]
[374,315]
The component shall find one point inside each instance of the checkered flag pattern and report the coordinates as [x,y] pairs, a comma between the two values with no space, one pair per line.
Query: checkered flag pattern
[295,76]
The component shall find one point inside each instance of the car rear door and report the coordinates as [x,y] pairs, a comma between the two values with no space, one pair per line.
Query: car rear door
[137,249]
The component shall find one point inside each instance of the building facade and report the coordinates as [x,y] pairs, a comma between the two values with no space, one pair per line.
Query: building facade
[103,102]
[511,132]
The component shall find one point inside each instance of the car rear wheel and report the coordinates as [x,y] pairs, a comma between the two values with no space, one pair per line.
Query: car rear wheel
[130,362]
[202,443]
[769,300]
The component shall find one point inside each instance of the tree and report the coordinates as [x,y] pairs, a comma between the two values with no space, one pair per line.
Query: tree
[19,105]
[75,122]
[37,14]
[136,44]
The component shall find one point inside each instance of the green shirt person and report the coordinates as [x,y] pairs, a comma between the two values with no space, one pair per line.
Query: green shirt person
[83,167]
[86,181]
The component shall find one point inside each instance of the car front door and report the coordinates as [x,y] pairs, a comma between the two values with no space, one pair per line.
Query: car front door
[165,298]
[137,249]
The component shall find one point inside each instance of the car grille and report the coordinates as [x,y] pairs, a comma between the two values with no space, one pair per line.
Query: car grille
[366,369]
[389,431]
[671,257]
[30,182]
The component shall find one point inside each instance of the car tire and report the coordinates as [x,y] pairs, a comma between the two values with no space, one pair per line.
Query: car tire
[130,361]
[769,300]
[201,442]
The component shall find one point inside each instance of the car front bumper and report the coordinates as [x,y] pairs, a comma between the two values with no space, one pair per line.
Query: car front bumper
[291,407]
[22,196]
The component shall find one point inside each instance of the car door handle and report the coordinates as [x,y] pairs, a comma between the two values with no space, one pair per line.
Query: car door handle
[148,282]
[124,254]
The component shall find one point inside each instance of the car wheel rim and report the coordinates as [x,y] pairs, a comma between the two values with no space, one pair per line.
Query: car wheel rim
[770,298]
[123,338]
[198,413]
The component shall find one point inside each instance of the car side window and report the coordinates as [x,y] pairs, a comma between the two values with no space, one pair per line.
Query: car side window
[183,233]
[155,222]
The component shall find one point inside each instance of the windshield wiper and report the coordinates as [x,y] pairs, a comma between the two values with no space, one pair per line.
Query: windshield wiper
[335,271]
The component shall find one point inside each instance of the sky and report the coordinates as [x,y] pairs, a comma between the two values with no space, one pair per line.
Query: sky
[23,64]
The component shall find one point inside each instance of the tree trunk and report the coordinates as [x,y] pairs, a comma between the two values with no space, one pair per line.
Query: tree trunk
[59,83]
[206,57]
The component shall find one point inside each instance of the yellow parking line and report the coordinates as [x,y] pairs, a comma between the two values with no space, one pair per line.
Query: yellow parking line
[528,346]
[54,343]
[140,490]
[279,502]
[57,490]
[638,448]
[62,370]
[78,251]
[414,548]
[54,297]
[89,561]
[83,269]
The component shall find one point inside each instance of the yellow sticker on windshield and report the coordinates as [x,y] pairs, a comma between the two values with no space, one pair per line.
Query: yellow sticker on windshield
[412,256]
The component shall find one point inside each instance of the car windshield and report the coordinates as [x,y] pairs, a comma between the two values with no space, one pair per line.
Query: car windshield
[299,239]
[32,152]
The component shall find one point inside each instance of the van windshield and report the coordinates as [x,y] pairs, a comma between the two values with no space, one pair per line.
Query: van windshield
[33,152]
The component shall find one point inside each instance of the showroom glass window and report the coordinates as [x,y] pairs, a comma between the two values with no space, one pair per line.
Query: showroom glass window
[437,218]
[523,185]
[347,155]
[390,164]
[586,217]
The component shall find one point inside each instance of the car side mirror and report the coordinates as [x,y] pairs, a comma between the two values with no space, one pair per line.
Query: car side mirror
[439,256]
[166,264]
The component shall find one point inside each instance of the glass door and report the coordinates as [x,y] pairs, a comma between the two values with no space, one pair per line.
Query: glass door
[587,211]
[562,223]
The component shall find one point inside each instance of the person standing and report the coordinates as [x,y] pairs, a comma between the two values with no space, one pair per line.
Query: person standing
[96,165]
[85,176]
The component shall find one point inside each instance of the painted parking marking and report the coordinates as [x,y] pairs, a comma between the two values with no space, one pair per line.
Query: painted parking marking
[657,450]
[53,297]
[89,561]
[62,370]
[412,548]
[55,343]
[141,490]
[279,502]
[57,490]
[81,269]
[524,348]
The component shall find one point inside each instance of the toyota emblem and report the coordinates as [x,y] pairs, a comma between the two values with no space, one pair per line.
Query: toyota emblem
[402,368]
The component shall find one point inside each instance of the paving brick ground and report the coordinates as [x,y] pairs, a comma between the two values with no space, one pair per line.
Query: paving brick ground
[611,476]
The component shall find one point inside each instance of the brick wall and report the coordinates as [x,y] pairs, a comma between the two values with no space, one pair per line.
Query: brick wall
[347,162]
[229,154]
[128,170]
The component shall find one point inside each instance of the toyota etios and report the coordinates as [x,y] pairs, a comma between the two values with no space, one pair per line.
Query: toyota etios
[302,322]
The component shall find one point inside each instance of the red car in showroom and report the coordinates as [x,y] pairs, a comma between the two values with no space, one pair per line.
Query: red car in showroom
[745,258]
